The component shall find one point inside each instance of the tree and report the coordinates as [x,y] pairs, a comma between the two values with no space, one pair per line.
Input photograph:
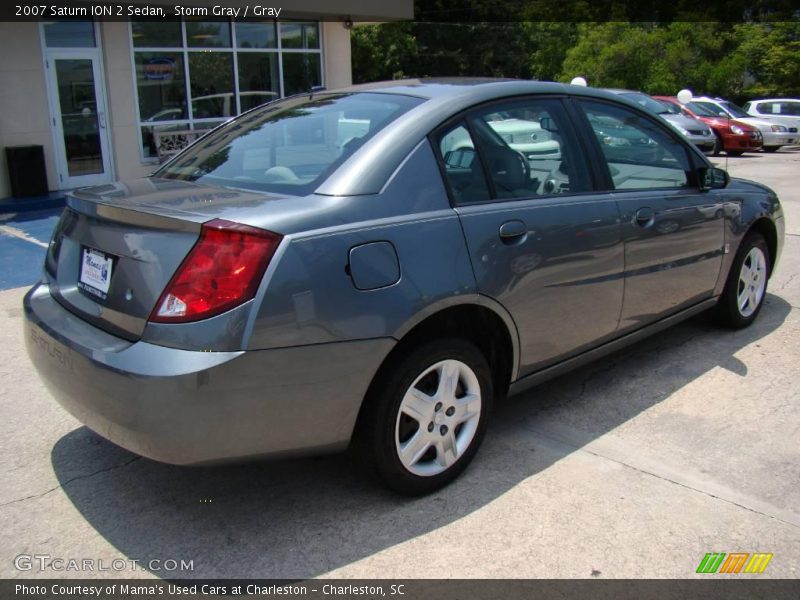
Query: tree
[659,58]
[771,56]
[716,57]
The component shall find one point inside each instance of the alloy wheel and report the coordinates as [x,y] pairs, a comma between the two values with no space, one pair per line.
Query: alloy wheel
[438,418]
[752,282]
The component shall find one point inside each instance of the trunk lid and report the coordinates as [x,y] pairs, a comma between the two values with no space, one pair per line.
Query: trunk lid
[108,263]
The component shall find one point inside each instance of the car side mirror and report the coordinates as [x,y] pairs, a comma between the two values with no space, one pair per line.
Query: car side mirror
[712,178]
[547,124]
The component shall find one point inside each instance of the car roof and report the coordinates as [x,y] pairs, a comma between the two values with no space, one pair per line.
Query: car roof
[470,88]
[774,100]
[623,91]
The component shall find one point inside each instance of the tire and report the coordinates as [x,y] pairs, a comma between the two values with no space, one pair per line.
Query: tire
[447,432]
[734,152]
[717,145]
[771,149]
[730,310]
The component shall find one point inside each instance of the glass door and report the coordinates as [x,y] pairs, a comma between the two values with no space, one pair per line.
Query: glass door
[79,118]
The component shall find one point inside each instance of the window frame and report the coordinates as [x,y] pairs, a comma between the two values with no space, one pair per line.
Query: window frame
[185,50]
[435,140]
[601,162]
[467,115]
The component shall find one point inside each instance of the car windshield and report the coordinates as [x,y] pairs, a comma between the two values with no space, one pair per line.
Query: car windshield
[702,110]
[290,146]
[645,101]
[734,110]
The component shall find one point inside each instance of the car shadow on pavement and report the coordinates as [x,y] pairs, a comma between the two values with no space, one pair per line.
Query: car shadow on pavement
[304,517]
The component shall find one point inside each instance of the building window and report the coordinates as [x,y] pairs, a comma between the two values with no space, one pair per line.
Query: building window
[197,74]
[69,34]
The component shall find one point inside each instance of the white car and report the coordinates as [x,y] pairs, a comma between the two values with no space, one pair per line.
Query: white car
[785,111]
[775,134]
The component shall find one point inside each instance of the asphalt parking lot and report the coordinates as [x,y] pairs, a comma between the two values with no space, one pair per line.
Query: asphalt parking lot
[634,466]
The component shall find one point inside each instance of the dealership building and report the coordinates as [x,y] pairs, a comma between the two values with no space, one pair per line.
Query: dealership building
[107,100]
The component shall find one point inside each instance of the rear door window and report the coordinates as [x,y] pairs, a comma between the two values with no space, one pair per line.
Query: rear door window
[462,166]
[529,149]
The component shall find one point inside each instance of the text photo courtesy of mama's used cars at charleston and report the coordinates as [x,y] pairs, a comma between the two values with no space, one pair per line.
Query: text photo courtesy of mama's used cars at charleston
[374,267]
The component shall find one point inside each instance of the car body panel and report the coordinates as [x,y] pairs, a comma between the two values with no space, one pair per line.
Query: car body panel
[434,266]
[569,262]
[675,261]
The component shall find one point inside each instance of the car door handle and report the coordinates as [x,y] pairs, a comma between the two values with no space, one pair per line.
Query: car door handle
[644,217]
[513,232]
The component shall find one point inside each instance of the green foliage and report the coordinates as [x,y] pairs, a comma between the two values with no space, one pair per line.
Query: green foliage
[772,55]
[386,51]
[733,60]
[659,59]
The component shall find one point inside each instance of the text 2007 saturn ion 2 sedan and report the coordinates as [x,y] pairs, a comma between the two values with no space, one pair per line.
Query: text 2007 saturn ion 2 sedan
[374,266]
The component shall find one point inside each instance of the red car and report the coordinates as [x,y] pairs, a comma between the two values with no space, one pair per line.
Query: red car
[734,137]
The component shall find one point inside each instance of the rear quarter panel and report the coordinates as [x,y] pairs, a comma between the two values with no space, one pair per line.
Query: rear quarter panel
[311,298]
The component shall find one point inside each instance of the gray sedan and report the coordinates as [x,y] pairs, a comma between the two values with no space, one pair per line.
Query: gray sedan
[373,267]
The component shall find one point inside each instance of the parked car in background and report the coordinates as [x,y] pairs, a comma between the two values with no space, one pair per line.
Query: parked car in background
[732,136]
[373,267]
[526,136]
[693,129]
[775,134]
[785,111]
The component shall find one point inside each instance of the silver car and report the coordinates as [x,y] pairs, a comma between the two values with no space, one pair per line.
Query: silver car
[784,111]
[776,135]
[374,267]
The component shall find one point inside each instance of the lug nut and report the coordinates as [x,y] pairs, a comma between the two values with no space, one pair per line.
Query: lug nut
[430,426]
[443,429]
[449,412]
[438,407]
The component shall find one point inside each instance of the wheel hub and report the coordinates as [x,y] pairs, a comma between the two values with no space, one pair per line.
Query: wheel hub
[433,430]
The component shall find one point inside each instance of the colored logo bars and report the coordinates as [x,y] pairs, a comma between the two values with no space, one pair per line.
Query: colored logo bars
[736,562]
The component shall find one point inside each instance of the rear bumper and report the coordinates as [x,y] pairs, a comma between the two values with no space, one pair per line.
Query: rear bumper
[186,407]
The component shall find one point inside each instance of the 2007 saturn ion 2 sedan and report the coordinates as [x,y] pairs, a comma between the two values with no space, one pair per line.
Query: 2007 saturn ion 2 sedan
[373,267]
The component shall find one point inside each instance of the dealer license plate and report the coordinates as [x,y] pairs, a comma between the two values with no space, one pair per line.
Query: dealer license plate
[95,275]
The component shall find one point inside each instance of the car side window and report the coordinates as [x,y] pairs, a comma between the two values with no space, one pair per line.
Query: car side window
[462,165]
[783,108]
[640,154]
[529,149]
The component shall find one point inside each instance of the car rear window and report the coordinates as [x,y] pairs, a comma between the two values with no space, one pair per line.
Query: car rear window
[290,146]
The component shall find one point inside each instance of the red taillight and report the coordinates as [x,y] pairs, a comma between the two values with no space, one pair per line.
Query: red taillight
[223,270]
